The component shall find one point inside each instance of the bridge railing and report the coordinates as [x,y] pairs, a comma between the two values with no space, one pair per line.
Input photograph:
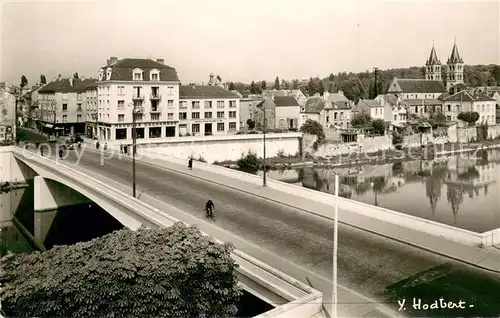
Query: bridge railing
[304,301]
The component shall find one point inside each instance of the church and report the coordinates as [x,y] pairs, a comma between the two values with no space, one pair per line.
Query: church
[432,87]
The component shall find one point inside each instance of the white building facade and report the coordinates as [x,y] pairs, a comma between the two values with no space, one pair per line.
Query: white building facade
[148,88]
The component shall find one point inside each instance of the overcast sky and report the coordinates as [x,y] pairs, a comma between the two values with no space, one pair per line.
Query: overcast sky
[243,40]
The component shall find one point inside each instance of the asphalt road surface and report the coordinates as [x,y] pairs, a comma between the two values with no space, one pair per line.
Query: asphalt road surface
[372,265]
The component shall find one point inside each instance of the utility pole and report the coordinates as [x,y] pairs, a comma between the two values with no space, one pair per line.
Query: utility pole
[264,181]
[134,138]
[376,81]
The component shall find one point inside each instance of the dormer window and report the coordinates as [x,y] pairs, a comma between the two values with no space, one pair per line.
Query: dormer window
[108,74]
[138,74]
[101,75]
[154,75]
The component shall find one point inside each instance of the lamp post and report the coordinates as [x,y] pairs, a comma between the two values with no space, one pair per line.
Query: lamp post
[335,245]
[135,111]
[264,182]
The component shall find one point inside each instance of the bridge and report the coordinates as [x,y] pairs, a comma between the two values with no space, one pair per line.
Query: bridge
[288,229]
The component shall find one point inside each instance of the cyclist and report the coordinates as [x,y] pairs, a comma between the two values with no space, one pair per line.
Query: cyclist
[209,207]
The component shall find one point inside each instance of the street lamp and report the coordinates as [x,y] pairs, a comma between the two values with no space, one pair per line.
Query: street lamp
[335,246]
[264,182]
[135,111]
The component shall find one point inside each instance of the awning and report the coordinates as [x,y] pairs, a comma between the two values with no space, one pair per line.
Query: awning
[48,125]
[399,125]
[59,128]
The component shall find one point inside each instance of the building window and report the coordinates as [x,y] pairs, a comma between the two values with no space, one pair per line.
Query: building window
[138,117]
[65,118]
[79,107]
[121,104]
[395,117]
[195,104]
[78,118]
[232,114]
[137,76]
[195,115]
[232,104]
[327,119]
[65,96]
[121,90]
[220,126]
[208,104]
[183,104]
[170,116]
[220,104]
[154,77]
[155,116]
[208,114]
[232,126]
[195,128]
[170,90]
[65,107]
[220,114]
[121,118]
[182,116]
[78,96]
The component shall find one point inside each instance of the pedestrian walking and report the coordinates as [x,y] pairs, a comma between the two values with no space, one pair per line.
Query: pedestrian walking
[105,146]
[37,144]
[41,151]
[190,163]
[97,145]
[121,148]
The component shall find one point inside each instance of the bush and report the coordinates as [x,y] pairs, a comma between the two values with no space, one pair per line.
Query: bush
[361,120]
[168,272]
[378,126]
[201,159]
[469,117]
[249,163]
[397,141]
[312,127]
[250,124]
[281,154]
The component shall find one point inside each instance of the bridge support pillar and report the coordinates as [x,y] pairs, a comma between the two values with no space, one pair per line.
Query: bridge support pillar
[11,169]
[43,222]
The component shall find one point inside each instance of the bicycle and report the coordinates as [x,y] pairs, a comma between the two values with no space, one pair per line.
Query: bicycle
[209,213]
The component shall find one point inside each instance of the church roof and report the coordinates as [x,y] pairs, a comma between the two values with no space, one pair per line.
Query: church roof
[433,59]
[455,56]
[421,86]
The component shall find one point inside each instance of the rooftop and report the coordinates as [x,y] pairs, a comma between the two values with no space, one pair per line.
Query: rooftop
[205,92]
[284,101]
[64,85]
[314,105]
[370,103]
[465,96]
[122,70]
[420,86]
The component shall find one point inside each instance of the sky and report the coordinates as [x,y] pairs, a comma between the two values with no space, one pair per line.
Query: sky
[243,40]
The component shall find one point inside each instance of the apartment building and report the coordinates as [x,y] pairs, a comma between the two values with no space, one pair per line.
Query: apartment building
[91,103]
[465,102]
[146,87]
[61,106]
[248,109]
[206,110]
[7,113]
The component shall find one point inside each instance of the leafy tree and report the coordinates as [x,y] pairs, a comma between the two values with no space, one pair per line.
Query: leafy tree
[75,75]
[378,126]
[263,85]
[469,117]
[249,163]
[24,81]
[43,80]
[397,141]
[231,86]
[331,77]
[253,88]
[312,127]
[295,84]
[361,120]
[250,123]
[277,83]
[168,272]
[495,72]
[284,84]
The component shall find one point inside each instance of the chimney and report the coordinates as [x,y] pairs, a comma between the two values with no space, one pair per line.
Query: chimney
[340,92]
[71,81]
[59,77]
[112,60]
[161,61]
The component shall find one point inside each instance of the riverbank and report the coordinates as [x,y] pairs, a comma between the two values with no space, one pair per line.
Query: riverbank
[377,157]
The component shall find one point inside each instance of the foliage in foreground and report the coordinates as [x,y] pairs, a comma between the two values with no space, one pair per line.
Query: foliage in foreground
[249,163]
[312,127]
[170,272]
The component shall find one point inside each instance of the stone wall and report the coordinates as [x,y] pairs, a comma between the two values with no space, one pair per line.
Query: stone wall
[427,138]
[364,144]
[229,147]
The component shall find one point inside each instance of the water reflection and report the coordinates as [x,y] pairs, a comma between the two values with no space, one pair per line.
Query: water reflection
[466,179]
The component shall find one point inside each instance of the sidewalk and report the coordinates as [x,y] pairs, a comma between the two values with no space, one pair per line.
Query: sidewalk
[486,258]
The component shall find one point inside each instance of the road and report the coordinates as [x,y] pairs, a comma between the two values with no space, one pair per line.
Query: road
[372,265]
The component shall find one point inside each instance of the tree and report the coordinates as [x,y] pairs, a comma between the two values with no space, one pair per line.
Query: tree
[311,87]
[231,86]
[253,88]
[378,126]
[361,120]
[24,81]
[43,80]
[75,75]
[312,127]
[495,72]
[284,84]
[397,141]
[250,124]
[331,77]
[167,272]
[469,117]
[263,85]
[295,84]
[277,83]
[249,163]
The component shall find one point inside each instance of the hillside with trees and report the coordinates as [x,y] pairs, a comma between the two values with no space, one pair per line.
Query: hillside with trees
[361,85]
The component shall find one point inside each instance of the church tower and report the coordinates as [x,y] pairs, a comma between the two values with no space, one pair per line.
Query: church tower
[455,68]
[433,66]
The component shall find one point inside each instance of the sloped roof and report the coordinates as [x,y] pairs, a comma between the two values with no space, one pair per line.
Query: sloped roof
[460,96]
[370,103]
[336,97]
[123,70]
[389,98]
[314,105]
[425,102]
[341,105]
[204,92]
[421,86]
[433,59]
[455,56]
[283,101]
[63,85]
[268,103]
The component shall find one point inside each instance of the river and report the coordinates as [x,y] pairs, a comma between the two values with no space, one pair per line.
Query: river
[460,190]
